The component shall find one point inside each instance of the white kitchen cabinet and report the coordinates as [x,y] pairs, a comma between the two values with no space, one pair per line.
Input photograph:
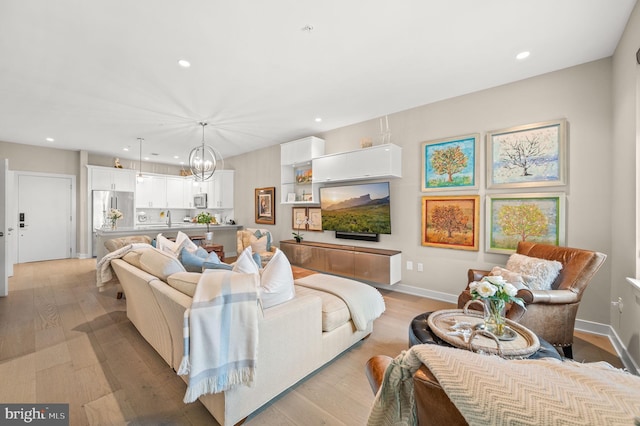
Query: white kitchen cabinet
[376,162]
[175,192]
[296,171]
[220,191]
[151,192]
[112,179]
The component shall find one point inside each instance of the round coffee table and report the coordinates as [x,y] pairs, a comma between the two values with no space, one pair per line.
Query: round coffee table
[420,333]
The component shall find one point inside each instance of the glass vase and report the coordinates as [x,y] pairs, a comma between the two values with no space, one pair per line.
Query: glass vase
[114,225]
[494,321]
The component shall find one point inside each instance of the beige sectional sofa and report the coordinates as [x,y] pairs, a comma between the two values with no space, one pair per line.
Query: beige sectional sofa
[295,337]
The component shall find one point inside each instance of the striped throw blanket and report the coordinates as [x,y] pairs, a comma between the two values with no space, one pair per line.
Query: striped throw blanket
[221,333]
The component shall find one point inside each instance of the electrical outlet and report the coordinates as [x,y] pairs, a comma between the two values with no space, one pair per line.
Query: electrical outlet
[618,303]
[409,265]
[420,269]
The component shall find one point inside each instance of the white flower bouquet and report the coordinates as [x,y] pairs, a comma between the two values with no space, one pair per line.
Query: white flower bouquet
[496,293]
[113,216]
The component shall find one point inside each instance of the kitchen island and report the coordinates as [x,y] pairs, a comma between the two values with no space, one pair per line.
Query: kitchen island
[222,234]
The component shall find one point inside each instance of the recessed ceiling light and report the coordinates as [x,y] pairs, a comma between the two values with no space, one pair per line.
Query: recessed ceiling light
[184,63]
[176,157]
[318,119]
[126,148]
[523,55]
[146,158]
[50,139]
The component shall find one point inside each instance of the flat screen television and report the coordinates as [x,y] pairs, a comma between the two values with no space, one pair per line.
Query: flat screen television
[356,211]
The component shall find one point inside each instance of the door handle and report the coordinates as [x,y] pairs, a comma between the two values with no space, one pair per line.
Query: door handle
[10,229]
[1,234]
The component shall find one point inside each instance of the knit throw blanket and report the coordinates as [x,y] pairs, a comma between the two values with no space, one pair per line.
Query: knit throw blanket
[104,271]
[220,333]
[488,390]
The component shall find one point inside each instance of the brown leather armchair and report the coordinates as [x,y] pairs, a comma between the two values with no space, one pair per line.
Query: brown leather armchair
[433,406]
[551,314]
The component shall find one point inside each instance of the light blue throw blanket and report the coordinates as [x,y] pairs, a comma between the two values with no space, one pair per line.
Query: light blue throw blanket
[221,333]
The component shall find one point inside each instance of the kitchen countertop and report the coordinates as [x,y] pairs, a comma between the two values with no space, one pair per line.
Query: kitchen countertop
[223,234]
[163,227]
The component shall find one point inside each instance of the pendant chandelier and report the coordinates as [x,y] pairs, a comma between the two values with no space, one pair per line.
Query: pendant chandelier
[203,159]
[140,178]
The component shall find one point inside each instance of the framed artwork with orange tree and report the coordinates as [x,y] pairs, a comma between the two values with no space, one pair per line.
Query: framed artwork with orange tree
[451,222]
[450,164]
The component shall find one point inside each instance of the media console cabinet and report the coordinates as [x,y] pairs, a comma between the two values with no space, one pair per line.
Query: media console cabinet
[377,266]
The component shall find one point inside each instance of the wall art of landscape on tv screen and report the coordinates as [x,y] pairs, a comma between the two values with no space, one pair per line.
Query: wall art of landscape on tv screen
[362,208]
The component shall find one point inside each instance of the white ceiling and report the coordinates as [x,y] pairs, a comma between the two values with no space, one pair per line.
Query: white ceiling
[96,75]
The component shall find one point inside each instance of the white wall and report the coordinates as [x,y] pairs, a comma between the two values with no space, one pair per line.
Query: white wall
[580,94]
[625,175]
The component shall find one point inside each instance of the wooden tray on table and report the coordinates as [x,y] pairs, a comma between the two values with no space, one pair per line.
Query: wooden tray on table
[460,328]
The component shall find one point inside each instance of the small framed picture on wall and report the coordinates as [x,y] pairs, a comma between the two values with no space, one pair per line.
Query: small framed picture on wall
[265,205]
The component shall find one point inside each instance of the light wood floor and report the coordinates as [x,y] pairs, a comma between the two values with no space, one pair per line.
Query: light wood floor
[62,341]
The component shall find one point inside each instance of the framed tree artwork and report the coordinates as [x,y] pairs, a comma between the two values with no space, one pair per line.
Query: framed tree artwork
[451,222]
[527,156]
[450,164]
[265,205]
[536,218]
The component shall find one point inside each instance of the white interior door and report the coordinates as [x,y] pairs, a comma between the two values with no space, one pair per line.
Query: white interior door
[44,217]
[4,280]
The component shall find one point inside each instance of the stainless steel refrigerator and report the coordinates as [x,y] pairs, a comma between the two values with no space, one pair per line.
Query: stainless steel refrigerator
[102,201]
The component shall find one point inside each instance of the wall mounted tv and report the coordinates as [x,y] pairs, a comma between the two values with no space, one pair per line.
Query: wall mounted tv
[360,212]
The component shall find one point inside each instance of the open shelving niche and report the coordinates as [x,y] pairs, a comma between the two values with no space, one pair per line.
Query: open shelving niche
[296,173]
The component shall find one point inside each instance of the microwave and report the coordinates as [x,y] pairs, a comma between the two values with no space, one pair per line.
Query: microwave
[200,201]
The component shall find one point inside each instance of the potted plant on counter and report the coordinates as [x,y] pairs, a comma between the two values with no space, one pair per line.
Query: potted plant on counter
[206,218]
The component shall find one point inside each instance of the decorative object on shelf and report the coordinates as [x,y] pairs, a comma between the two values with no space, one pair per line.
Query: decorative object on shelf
[451,222]
[495,292]
[203,159]
[265,205]
[113,216]
[116,163]
[449,164]
[527,156]
[365,143]
[520,217]
[304,175]
[385,133]
[139,177]
[291,197]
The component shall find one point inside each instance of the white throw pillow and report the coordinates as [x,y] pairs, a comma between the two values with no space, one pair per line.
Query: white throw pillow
[245,263]
[166,245]
[544,272]
[276,281]
[519,281]
[183,241]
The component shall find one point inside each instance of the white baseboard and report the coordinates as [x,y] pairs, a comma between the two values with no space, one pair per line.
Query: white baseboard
[83,256]
[581,325]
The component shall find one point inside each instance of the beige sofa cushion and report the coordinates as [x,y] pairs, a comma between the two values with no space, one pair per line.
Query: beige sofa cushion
[334,310]
[184,282]
[154,262]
